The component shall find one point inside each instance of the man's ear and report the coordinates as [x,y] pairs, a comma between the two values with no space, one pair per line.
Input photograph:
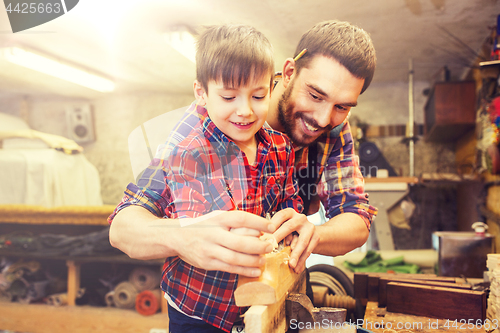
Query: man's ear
[199,93]
[288,71]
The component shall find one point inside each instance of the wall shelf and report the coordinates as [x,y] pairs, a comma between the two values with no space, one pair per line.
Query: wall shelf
[450,111]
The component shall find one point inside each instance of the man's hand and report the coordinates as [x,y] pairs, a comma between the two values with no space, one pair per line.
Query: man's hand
[288,221]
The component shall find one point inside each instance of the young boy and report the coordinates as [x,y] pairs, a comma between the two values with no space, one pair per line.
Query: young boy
[228,161]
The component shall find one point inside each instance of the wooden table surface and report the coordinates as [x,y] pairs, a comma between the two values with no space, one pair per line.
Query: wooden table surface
[378,320]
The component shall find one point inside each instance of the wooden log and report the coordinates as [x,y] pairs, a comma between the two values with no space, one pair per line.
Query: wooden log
[276,279]
[436,302]
[383,281]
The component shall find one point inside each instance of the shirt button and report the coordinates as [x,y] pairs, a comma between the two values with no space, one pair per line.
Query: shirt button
[249,197]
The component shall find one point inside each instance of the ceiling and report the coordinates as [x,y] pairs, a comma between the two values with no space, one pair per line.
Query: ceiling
[123,39]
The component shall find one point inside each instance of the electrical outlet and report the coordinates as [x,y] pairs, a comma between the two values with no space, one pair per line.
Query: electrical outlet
[158,330]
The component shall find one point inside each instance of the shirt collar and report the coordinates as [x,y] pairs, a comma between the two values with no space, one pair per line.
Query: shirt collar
[219,140]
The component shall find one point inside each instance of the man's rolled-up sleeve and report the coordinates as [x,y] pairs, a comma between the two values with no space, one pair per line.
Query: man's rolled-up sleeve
[341,187]
[151,192]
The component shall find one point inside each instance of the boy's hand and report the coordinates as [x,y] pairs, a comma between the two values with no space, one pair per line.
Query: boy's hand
[286,222]
[227,241]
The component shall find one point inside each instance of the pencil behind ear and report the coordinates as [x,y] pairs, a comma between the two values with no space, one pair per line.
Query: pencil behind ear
[199,93]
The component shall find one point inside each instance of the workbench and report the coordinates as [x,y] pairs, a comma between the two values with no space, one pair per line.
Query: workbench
[43,318]
[378,320]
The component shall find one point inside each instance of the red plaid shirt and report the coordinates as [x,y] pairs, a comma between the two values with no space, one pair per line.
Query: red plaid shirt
[205,172]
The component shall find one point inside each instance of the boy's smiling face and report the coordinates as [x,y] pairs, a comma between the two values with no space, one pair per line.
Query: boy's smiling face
[239,112]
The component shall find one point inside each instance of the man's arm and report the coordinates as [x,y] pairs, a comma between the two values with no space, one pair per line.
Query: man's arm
[341,234]
[341,190]
[207,244]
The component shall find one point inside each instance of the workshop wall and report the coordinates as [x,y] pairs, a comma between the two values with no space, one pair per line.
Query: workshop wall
[114,118]
[387,104]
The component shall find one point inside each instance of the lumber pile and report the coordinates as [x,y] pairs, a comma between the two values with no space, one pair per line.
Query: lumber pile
[424,295]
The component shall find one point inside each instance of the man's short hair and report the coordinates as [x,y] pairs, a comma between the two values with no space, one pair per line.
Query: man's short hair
[350,45]
[233,54]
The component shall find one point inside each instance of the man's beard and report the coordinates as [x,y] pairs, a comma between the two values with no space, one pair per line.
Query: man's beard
[288,120]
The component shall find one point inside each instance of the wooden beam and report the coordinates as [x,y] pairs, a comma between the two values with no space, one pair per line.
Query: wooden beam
[367,284]
[79,215]
[383,281]
[436,302]
[361,285]
[272,318]
[275,281]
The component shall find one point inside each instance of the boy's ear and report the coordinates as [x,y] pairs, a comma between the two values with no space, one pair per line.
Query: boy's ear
[288,71]
[199,93]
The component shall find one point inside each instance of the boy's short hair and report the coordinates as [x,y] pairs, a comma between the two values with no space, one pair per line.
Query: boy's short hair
[350,45]
[233,54]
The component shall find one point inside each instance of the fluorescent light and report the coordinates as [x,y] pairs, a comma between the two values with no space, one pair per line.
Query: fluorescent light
[183,42]
[57,69]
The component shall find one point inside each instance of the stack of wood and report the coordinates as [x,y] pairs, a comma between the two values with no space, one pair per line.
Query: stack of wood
[424,295]
[493,266]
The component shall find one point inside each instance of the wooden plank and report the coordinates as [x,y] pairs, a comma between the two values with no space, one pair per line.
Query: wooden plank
[378,320]
[41,318]
[409,180]
[383,281]
[372,287]
[80,215]
[436,302]
[272,318]
[373,281]
[360,285]
[275,281]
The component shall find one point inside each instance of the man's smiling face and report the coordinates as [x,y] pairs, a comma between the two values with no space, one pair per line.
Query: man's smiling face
[317,99]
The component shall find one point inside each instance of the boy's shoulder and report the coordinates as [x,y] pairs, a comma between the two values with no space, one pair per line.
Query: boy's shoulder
[277,138]
[189,131]
[194,141]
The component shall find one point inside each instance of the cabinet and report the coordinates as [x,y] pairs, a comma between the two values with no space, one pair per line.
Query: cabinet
[42,318]
[450,111]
